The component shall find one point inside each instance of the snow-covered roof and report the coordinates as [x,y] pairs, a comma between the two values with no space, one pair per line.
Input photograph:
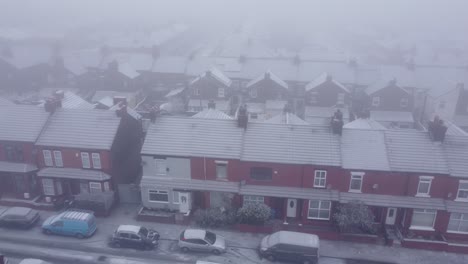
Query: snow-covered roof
[21,123]
[129,228]
[286,118]
[215,74]
[323,78]
[392,116]
[275,104]
[364,124]
[382,84]
[194,234]
[221,105]
[268,75]
[99,95]
[211,114]
[175,92]
[4,101]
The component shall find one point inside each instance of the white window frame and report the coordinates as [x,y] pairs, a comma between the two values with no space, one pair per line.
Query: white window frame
[106,186]
[341,99]
[247,199]
[58,158]
[463,219]
[158,192]
[48,187]
[175,194]
[161,166]
[424,179]
[376,101]
[404,102]
[221,163]
[354,177]
[319,208]
[95,187]
[221,92]
[253,93]
[319,176]
[48,158]
[464,199]
[85,162]
[96,158]
[424,211]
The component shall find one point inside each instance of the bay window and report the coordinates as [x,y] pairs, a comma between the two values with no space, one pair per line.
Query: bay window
[319,210]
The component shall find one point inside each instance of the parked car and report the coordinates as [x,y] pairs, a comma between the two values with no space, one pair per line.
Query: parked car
[79,224]
[134,237]
[201,240]
[19,217]
[290,246]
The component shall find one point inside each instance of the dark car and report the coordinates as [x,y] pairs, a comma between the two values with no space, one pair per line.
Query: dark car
[19,217]
[134,237]
[290,246]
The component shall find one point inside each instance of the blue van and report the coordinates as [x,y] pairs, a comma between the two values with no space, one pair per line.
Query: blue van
[79,224]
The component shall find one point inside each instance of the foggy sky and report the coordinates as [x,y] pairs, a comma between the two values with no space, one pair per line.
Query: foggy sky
[440,17]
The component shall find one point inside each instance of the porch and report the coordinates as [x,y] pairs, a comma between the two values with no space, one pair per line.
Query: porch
[18,180]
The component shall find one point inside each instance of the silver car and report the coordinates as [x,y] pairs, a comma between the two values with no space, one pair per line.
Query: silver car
[201,240]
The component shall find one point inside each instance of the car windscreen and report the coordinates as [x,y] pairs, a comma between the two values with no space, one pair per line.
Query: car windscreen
[210,237]
[273,239]
[91,222]
[143,232]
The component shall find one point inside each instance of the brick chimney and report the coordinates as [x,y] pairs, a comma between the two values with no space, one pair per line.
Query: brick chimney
[437,129]
[122,111]
[242,117]
[59,94]
[337,122]
[267,76]
[51,104]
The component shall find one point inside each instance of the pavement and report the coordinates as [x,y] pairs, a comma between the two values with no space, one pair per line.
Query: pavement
[242,246]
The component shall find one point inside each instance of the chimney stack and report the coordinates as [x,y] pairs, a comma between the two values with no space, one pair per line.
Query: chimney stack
[437,129]
[267,76]
[122,110]
[329,78]
[242,117]
[337,122]
[51,104]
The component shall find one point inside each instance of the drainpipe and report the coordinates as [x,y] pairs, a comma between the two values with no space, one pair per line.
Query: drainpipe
[204,166]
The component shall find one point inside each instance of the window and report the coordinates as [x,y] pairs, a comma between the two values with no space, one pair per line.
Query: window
[48,186]
[13,153]
[106,186]
[47,158]
[375,101]
[161,168]
[441,104]
[320,178]
[248,199]
[423,218]
[175,197]
[95,187]
[424,186]
[463,190]
[313,97]
[355,185]
[58,158]
[158,196]
[458,223]
[85,160]
[404,102]
[341,97]
[96,160]
[319,210]
[253,93]
[221,169]
[221,92]
[261,174]
[196,91]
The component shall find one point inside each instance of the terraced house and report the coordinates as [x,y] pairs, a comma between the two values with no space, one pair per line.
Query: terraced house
[413,181]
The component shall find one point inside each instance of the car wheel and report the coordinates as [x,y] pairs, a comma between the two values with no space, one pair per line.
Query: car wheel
[47,232]
[79,235]
[216,252]
[185,249]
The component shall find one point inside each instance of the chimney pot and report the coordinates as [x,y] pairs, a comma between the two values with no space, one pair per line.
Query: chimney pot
[119,99]
[242,118]
[59,94]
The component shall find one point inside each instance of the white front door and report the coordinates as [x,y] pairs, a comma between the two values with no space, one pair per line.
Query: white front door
[391,216]
[292,208]
[184,199]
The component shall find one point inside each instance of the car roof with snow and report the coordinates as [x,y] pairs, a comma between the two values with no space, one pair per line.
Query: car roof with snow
[194,233]
[129,228]
[296,238]
[18,211]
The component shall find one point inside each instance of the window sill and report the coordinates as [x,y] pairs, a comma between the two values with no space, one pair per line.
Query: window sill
[157,202]
[422,228]
[320,187]
[320,219]
[423,195]
[461,200]
[457,232]
[355,191]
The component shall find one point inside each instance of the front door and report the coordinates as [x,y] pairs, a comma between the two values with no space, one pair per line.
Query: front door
[184,199]
[391,216]
[292,208]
